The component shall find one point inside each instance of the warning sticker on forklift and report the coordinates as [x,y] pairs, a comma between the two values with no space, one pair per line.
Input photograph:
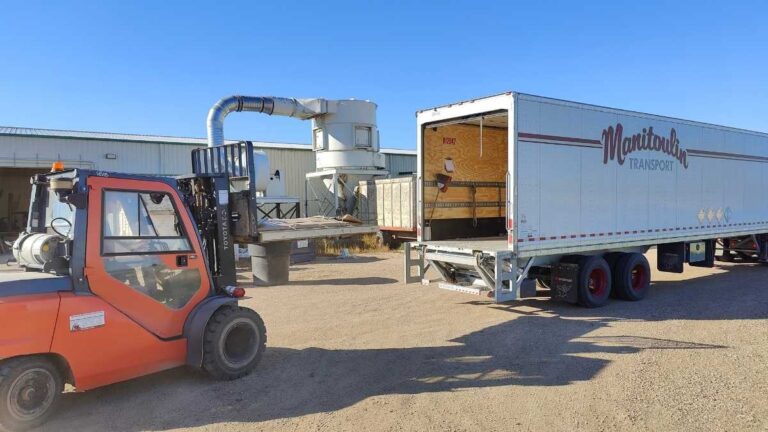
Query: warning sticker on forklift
[86,321]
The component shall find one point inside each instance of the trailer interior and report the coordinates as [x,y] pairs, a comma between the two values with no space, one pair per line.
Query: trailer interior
[464,179]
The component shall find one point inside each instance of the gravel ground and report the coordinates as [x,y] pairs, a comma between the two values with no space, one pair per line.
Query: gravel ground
[351,348]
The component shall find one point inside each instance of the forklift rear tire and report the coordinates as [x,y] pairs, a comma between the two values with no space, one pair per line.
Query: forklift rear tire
[30,389]
[235,340]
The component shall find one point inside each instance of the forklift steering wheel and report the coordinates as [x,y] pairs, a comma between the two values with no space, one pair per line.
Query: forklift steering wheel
[69,225]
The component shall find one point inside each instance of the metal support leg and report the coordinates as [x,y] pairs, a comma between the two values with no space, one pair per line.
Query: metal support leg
[336,194]
[506,289]
[509,282]
[411,262]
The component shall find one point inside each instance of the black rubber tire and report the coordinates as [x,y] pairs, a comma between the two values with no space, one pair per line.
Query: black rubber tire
[612,258]
[234,342]
[598,294]
[747,257]
[632,277]
[725,257]
[16,377]
[390,241]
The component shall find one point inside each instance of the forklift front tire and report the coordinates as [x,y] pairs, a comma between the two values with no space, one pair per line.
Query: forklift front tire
[235,339]
[30,388]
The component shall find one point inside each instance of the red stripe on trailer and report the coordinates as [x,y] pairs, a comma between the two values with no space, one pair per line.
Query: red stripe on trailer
[558,138]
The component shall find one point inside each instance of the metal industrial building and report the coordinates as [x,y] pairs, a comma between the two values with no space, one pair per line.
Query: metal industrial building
[25,151]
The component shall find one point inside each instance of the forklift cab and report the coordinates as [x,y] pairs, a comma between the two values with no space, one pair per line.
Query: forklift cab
[117,284]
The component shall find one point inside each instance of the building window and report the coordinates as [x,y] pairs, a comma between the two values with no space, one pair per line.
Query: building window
[318,139]
[363,138]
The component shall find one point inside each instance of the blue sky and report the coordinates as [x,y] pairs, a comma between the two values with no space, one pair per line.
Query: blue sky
[156,67]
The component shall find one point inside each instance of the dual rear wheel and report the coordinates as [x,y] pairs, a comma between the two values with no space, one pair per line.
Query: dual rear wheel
[623,275]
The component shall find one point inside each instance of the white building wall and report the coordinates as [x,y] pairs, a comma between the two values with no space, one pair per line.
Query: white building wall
[160,158]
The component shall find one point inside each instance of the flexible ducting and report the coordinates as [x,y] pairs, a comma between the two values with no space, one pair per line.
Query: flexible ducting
[289,107]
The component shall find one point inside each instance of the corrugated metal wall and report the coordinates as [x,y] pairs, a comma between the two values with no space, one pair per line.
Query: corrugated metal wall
[400,164]
[131,157]
[158,158]
[293,165]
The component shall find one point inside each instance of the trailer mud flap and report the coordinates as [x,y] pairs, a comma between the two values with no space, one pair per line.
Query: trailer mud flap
[565,282]
[671,257]
[701,254]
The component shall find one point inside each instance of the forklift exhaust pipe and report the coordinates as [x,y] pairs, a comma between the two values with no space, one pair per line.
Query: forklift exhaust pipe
[289,107]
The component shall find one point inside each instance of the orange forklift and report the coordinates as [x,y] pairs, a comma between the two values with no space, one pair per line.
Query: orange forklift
[127,275]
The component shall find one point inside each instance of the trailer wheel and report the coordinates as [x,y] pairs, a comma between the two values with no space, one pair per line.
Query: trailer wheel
[632,277]
[30,389]
[389,240]
[235,340]
[612,258]
[594,281]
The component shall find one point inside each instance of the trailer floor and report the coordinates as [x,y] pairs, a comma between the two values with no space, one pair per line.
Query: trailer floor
[351,348]
[485,244]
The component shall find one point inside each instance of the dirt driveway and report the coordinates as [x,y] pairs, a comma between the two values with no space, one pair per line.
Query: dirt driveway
[352,348]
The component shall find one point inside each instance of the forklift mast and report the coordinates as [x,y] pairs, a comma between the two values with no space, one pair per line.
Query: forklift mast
[222,198]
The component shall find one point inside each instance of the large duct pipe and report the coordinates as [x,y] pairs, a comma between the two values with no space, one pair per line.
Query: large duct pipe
[289,107]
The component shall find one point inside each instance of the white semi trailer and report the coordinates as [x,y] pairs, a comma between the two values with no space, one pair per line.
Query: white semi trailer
[515,189]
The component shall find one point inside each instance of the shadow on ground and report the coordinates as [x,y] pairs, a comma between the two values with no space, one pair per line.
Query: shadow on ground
[547,344]
[372,280]
[353,259]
